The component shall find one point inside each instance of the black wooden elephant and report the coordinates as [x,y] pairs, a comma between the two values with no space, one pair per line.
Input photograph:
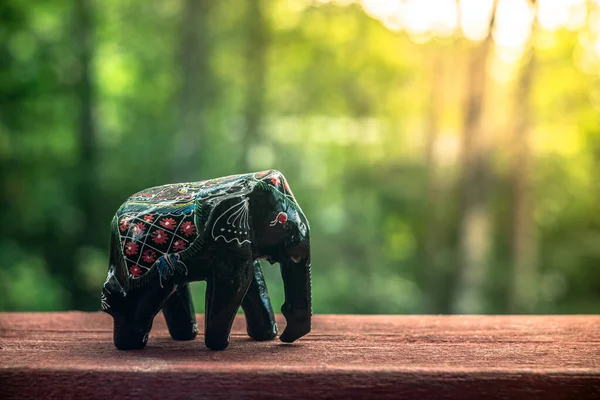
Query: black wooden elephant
[164,237]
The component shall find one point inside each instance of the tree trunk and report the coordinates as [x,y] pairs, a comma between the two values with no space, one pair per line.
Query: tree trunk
[523,234]
[431,234]
[195,91]
[256,65]
[86,171]
[475,224]
[86,130]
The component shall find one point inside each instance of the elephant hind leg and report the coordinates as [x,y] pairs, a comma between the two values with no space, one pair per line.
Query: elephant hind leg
[130,336]
[260,320]
[180,315]
[133,323]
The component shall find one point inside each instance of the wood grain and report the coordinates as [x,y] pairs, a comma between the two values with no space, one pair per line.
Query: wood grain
[71,355]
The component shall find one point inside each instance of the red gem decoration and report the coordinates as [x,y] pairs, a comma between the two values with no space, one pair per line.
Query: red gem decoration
[282,218]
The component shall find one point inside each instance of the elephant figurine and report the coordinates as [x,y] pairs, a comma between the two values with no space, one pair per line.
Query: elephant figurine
[216,230]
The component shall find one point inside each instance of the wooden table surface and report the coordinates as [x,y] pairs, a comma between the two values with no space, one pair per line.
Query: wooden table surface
[71,355]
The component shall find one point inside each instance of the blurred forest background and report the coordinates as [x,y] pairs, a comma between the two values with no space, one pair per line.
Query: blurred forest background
[447,153]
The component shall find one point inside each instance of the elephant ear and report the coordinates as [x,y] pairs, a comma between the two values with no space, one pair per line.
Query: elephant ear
[231,221]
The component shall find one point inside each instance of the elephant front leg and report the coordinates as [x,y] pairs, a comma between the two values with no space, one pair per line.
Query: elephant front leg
[180,314]
[260,320]
[224,295]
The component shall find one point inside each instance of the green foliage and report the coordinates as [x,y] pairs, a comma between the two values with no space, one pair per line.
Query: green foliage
[346,110]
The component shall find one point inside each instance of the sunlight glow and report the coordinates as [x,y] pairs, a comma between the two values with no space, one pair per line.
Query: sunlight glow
[475,18]
[381,9]
[577,15]
[501,70]
[594,20]
[424,19]
[439,16]
[419,17]
[388,12]
[597,46]
[555,14]
[512,28]
[552,14]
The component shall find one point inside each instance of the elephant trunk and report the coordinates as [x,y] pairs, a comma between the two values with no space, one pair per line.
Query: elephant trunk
[297,308]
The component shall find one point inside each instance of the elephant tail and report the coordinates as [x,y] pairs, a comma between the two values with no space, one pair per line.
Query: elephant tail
[114,288]
[117,262]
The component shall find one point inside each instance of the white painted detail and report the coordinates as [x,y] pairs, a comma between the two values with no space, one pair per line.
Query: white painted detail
[237,216]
